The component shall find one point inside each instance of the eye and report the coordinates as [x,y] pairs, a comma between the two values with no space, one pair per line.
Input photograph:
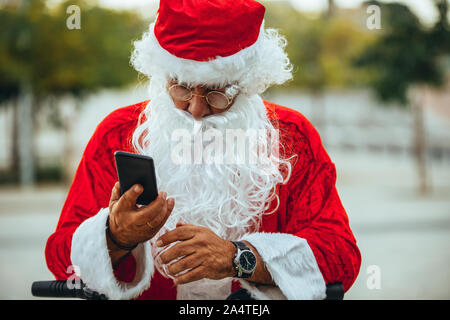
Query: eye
[218,100]
[180,92]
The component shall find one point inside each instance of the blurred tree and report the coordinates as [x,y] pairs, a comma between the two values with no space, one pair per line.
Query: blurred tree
[42,60]
[9,76]
[17,39]
[94,57]
[322,50]
[331,8]
[439,37]
[406,56]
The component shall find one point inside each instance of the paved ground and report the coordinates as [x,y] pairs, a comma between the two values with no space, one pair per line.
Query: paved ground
[406,236]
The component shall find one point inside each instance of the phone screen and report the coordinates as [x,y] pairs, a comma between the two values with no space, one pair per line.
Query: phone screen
[137,169]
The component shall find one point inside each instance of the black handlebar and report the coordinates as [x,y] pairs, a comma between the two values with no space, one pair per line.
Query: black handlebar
[335,291]
[59,289]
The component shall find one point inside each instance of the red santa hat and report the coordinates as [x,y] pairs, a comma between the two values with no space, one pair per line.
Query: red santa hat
[204,30]
[213,42]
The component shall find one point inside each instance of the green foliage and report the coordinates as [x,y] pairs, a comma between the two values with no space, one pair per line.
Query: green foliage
[11,68]
[321,49]
[405,54]
[38,48]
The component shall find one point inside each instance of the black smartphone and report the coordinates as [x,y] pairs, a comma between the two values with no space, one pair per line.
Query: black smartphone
[137,169]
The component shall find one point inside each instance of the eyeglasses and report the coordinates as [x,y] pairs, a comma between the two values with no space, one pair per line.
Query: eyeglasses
[215,99]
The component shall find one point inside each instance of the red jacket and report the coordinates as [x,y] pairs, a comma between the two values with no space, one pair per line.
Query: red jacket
[310,207]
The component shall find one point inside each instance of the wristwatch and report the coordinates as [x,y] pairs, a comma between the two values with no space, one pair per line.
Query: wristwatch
[245,260]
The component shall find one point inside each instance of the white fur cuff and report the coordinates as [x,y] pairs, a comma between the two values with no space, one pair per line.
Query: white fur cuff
[90,253]
[292,265]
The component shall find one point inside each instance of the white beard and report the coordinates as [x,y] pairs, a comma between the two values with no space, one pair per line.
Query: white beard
[228,198]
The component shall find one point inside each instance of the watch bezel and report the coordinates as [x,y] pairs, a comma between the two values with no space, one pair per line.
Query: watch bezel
[247,252]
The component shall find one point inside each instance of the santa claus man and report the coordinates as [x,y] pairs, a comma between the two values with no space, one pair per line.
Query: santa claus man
[274,226]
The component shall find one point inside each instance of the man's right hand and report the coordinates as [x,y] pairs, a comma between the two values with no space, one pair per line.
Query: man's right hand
[129,224]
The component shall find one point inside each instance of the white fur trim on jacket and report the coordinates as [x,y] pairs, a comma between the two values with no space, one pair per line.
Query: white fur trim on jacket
[90,253]
[205,289]
[292,265]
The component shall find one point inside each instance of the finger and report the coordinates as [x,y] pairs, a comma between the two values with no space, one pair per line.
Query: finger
[189,262]
[179,224]
[169,208]
[179,250]
[192,275]
[154,213]
[170,204]
[156,218]
[128,199]
[155,205]
[115,192]
[178,234]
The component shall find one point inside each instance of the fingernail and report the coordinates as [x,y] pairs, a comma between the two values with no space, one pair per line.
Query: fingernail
[137,188]
[159,243]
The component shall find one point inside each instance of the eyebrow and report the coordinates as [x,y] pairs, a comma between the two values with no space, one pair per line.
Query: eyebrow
[210,88]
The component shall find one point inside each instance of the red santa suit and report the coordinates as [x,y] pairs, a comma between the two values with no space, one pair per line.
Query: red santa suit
[305,244]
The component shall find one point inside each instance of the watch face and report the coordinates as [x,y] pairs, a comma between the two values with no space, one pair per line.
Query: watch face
[247,260]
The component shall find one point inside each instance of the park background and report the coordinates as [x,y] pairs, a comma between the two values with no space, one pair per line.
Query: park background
[379,98]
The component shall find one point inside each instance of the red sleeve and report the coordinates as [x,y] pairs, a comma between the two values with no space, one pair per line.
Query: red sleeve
[314,210]
[90,190]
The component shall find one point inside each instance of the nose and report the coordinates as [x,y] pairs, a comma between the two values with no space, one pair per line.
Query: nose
[198,107]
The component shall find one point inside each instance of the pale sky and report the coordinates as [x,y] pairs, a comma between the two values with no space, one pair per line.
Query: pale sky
[423,8]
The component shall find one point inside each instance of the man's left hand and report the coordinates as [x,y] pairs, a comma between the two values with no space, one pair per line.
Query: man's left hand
[199,249]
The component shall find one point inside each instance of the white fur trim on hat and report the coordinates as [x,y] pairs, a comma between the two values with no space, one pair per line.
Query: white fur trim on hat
[292,265]
[90,254]
[253,69]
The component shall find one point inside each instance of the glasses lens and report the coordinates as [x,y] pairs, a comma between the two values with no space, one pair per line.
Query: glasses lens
[217,100]
[180,93]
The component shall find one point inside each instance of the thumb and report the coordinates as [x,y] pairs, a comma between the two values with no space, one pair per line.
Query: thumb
[128,199]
